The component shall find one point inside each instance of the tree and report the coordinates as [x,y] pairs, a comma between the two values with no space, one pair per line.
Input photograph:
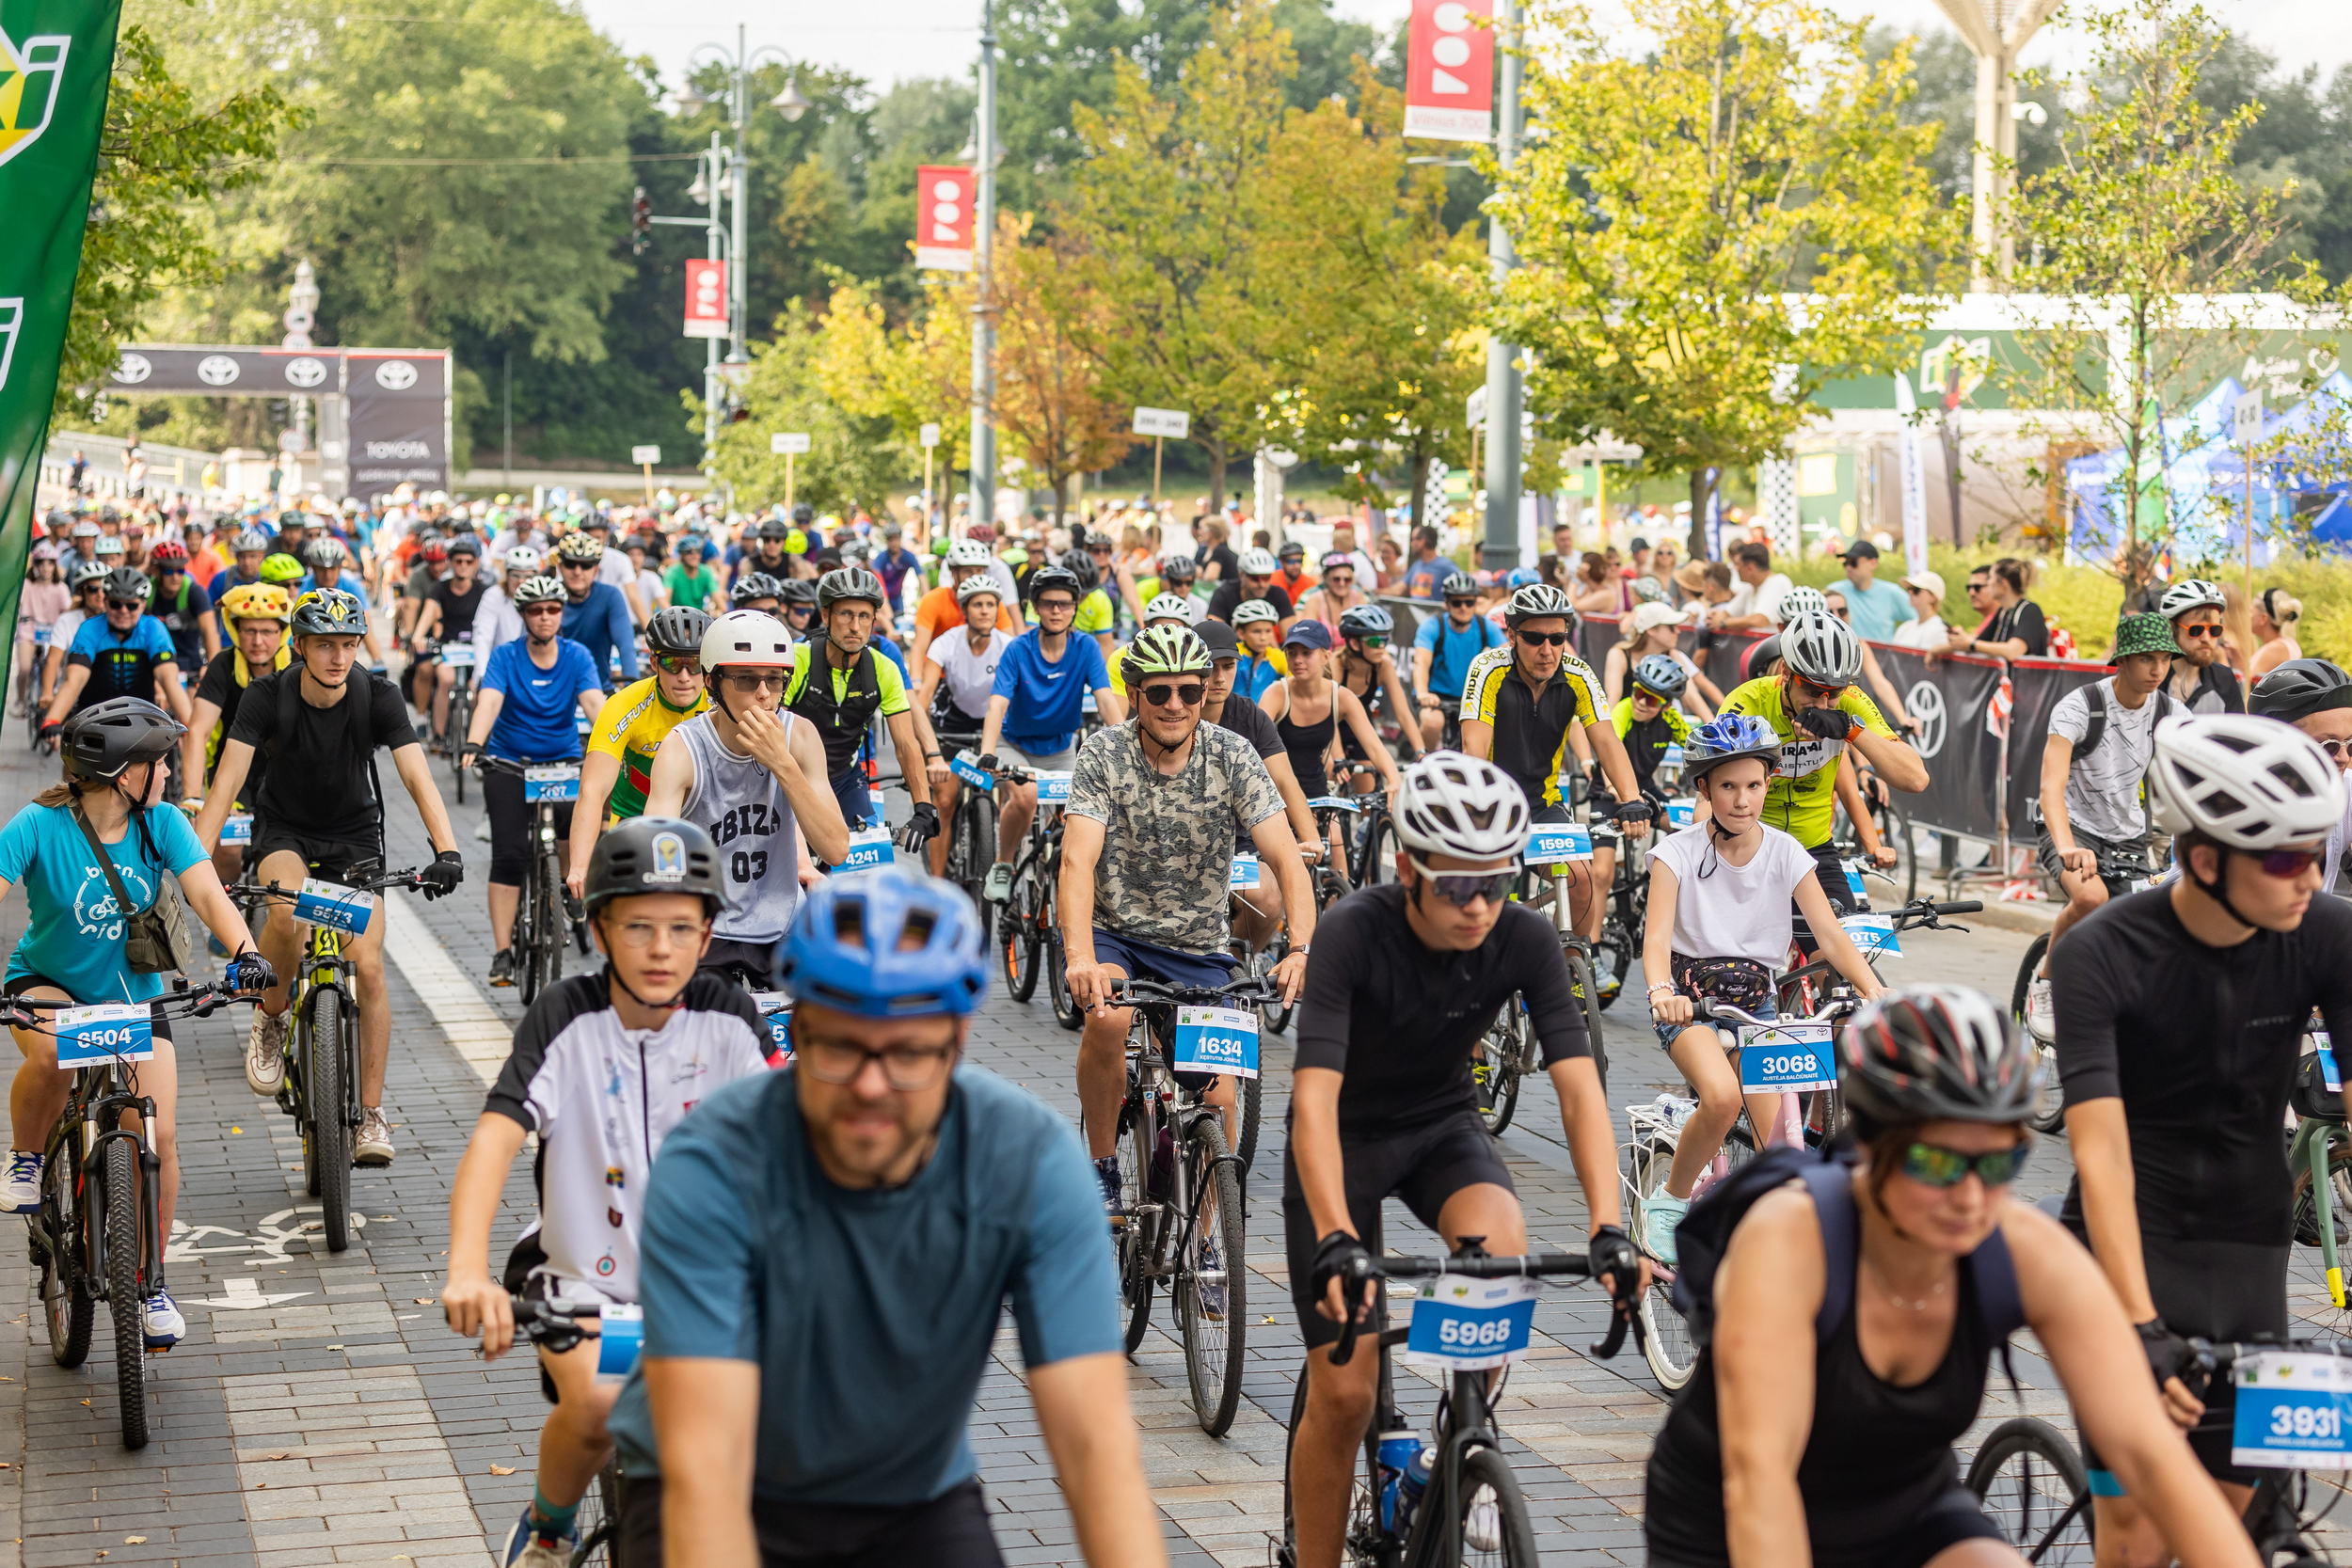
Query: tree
[1710,231]
[852,460]
[1050,405]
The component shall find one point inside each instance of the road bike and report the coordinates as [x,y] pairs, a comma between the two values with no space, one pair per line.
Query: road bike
[1028,932]
[98,1235]
[1469,1508]
[2124,872]
[546,919]
[321,1089]
[1179,1221]
[1509,1051]
[1373,844]
[554,1324]
[972,842]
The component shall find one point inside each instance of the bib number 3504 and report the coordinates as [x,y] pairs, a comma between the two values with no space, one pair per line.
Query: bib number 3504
[1466,1325]
[2292,1412]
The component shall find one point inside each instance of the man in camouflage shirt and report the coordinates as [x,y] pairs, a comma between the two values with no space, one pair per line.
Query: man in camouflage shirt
[1156,805]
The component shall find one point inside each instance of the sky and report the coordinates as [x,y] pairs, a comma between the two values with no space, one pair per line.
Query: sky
[903,39]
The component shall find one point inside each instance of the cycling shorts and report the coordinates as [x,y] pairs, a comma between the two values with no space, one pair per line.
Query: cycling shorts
[329,858]
[511,818]
[949,1532]
[23,983]
[1912,1541]
[1036,762]
[730,960]
[1423,1166]
[2126,849]
[1830,872]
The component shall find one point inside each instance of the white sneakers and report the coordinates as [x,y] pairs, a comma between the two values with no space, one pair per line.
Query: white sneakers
[2041,1010]
[265,1053]
[375,1144]
[23,1192]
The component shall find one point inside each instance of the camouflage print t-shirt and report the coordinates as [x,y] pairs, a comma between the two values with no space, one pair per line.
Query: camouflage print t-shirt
[1167,839]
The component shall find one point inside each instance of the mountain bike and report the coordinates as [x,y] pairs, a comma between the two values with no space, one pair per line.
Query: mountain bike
[554,1324]
[1509,1052]
[96,1235]
[972,836]
[2122,873]
[458,658]
[545,919]
[1465,1507]
[1028,932]
[321,1087]
[1180,1217]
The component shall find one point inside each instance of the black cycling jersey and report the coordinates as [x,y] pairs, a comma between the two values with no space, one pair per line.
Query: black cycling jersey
[2201,1043]
[1399,1019]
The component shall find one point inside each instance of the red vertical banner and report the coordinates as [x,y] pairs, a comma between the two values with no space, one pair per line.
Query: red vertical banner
[1449,70]
[706,299]
[943,218]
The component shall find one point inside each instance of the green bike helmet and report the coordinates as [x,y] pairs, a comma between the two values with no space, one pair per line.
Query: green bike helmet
[282,568]
[1165,650]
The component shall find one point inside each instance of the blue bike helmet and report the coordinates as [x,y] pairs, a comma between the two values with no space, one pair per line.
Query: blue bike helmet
[1662,677]
[1521,575]
[1727,739]
[888,943]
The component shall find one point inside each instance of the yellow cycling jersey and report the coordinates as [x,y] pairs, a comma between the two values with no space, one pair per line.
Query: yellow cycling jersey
[631,726]
[1530,728]
[1802,800]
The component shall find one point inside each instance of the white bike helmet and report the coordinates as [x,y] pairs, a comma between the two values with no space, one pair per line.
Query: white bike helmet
[749,640]
[2249,783]
[1172,607]
[2187,595]
[1800,601]
[1257,563]
[1822,649]
[968,552]
[1536,601]
[1250,612]
[1448,803]
[524,559]
[973,587]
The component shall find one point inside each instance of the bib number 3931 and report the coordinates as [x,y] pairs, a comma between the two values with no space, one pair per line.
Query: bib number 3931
[1216,1039]
[330,904]
[1467,1324]
[118,1029]
[2292,1412]
[1778,1057]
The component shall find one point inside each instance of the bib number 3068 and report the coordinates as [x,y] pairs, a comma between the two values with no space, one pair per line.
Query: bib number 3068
[1777,1057]
[1466,1325]
[2292,1412]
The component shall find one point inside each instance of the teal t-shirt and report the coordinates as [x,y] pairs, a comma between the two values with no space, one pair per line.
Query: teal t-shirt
[73,928]
[1876,610]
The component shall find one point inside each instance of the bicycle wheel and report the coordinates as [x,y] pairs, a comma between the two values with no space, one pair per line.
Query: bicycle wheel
[326,1133]
[1496,1074]
[1612,958]
[460,720]
[2306,1212]
[1017,936]
[1215,1342]
[1250,1092]
[1273,1017]
[1496,1531]
[1378,862]
[531,941]
[126,1298]
[2031,1482]
[555,925]
[598,1522]
[1139,1235]
[2049,1112]
[1668,1345]
[1587,991]
[64,1291]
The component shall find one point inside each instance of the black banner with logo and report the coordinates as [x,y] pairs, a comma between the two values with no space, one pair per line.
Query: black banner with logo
[2036,686]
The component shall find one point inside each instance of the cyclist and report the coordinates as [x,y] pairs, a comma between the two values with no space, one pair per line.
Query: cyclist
[765,553]
[895,1199]
[2093,764]
[1309,690]
[1336,593]
[629,729]
[1257,912]
[257,625]
[1854,1317]
[1177,572]
[123,652]
[1036,708]
[959,676]
[757,590]
[286,570]
[1406,979]
[690,581]
[86,586]
[1096,615]
[752,774]
[1648,722]
[2202,680]
[939,611]
[1718,926]
[523,714]
[1366,667]
[451,610]
[76,923]
[1155,807]
[1816,709]
[183,606]
[1259,632]
[861,684]
[318,811]
[1522,708]
[1254,584]
[1165,609]
[2317,698]
[595,613]
[2181,1012]
[671,1037]
[496,619]
[1442,651]
[796,606]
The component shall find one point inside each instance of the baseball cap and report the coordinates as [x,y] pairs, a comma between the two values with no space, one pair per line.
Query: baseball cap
[1307,634]
[2147,633]
[1222,642]
[1931,582]
[1861,549]
[1649,617]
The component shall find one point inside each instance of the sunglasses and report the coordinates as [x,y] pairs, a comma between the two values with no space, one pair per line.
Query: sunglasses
[2197,631]
[126,604]
[1537,638]
[1373,641]
[1463,888]
[1176,693]
[1461,604]
[555,610]
[2337,748]
[1816,688]
[1047,607]
[2287,862]
[1934,1165]
[1978,587]
[681,666]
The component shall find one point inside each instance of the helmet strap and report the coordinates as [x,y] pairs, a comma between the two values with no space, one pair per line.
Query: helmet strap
[2216,889]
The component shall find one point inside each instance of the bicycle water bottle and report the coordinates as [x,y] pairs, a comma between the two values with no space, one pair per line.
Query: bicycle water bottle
[1397,1451]
[1417,1470]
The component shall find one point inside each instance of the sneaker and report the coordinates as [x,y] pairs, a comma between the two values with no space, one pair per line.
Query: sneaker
[375,1144]
[265,1053]
[999,884]
[2041,1011]
[24,1188]
[1212,1281]
[503,967]
[1106,1171]
[1660,1216]
[526,1547]
[164,1326]
[482,832]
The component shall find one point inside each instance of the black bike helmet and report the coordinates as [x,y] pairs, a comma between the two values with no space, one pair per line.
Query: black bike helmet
[803,514]
[653,855]
[330,613]
[1366,620]
[678,632]
[1930,1052]
[753,585]
[1079,564]
[1056,576]
[796,590]
[2300,688]
[106,737]
[848,584]
[774,529]
[129,582]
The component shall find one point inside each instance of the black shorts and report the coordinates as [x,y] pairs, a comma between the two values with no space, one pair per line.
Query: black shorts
[2126,849]
[731,959]
[1423,1166]
[511,818]
[329,858]
[23,983]
[1830,872]
[1913,1541]
[949,1532]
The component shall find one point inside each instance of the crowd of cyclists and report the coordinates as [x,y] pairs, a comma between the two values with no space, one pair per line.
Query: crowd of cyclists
[757,1132]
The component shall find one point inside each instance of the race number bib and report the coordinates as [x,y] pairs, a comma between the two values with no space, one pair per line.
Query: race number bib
[2326,1047]
[237,827]
[1775,1057]
[1673,756]
[457,655]
[87,1035]
[1556,843]
[1875,934]
[331,904]
[42,636]
[869,848]
[1216,1039]
[622,1337]
[1244,872]
[1332,802]
[775,1011]
[2291,1412]
[1053,788]
[1681,813]
[963,767]
[1468,1324]
[554,781]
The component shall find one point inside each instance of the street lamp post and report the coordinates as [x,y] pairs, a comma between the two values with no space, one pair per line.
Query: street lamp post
[1502,376]
[983,249]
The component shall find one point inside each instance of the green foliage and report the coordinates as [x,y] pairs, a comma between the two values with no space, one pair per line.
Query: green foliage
[853,458]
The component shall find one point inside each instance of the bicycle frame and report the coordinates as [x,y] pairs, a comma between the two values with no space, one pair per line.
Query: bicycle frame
[324,968]
[2312,1152]
[100,1123]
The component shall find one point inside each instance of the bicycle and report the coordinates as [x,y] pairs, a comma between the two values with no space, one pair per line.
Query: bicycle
[1371,848]
[972,834]
[544,917]
[1471,1510]
[553,1323]
[1180,1215]
[2122,873]
[1509,1052]
[98,1235]
[2320,1156]
[458,658]
[321,1087]
[1803,987]
[1030,927]
[1893,824]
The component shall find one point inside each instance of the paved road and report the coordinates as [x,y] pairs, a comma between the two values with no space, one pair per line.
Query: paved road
[320,1412]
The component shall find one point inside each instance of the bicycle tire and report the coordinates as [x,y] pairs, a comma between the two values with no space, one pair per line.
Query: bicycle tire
[1379,864]
[1065,1006]
[2305,1214]
[1274,1016]
[1017,940]
[597,1524]
[1486,1470]
[1214,1351]
[1893,824]
[1250,1092]
[1136,1241]
[66,1298]
[1667,1343]
[527,942]
[126,1302]
[1498,1085]
[2049,1114]
[2028,1477]
[555,924]
[1587,992]
[1615,953]
[460,720]
[327,1139]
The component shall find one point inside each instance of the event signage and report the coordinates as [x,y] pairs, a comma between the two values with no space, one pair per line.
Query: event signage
[706,299]
[1449,70]
[943,218]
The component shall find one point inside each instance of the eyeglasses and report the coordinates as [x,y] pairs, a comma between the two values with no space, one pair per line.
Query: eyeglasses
[1537,638]
[2336,748]
[676,666]
[1046,606]
[2286,863]
[2213,629]
[908,1069]
[1934,1165]
[758,681]
[1373,641]
[1463,888]
[637,935]
[1179,694]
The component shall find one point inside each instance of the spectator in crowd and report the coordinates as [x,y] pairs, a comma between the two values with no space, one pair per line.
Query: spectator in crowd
[1564,541]
[1753,605]
[1924,631]
[2237,617]
[1876,608]
[2276,611]
[1425,578]
[1660,571]
[2015,626]
[1705,584]
[1343,542]
[1214,556]
[1597,590]
[1390,570]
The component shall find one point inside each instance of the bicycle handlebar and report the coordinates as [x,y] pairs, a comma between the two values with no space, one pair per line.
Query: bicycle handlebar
[243,894]
[1250,990]
[23,1012]
[1472,1263]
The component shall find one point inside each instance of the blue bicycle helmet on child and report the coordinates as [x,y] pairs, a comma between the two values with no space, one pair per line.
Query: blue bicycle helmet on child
[1727,739]
[888,943]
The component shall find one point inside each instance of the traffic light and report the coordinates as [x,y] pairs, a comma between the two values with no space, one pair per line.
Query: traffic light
[640,222]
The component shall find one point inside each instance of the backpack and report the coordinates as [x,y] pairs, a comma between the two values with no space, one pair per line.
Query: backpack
[1705,1236]
[2095,727]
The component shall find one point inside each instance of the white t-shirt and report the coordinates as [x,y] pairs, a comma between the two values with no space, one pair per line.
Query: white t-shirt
[2102,789]
[1930,634]
[969,677]
[1723,910]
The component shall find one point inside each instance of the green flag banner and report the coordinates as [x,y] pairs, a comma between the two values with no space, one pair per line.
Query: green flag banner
[57,57]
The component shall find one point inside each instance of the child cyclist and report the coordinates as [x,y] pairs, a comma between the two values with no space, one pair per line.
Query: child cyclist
[668,1039]
[1718,926]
